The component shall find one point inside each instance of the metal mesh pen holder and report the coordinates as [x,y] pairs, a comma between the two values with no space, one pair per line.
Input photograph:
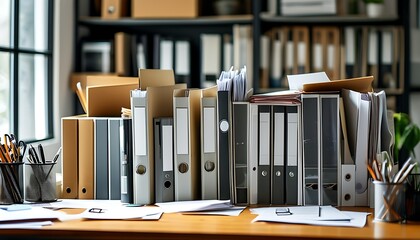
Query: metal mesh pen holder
[40,182]
[11,183]
[389,202]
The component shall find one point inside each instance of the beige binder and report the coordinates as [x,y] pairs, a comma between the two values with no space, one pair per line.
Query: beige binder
[69,141]
[86,153]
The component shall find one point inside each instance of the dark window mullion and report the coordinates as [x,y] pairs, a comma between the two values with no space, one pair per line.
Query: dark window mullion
[50,68]
[15,71]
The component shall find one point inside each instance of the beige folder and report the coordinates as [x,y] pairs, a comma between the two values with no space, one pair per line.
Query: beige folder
[86,153]
[69,141]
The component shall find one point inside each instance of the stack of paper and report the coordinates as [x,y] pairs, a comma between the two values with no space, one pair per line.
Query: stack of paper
[210,207]
[312,215]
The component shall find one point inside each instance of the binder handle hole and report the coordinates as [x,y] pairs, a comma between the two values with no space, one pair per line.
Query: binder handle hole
[347,177]
[167,184]
[264,173]
[347,197]
[183,167]
[209,166]
[111,9]
[83,190]
[141,169]
[68,190]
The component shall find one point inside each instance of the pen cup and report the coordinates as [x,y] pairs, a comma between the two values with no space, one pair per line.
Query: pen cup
[389,202]
[11,183]
[40,182]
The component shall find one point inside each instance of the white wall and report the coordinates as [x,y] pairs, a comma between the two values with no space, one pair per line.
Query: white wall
[63,54]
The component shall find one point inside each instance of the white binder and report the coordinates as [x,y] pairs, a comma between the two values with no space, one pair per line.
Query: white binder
[186,108]
[142,168]
[293,156]
[209,174]
[253,154]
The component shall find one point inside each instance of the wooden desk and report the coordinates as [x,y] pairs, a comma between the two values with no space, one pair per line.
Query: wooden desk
[178,226]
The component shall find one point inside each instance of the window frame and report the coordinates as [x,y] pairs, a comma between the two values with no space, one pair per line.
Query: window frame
[14,50]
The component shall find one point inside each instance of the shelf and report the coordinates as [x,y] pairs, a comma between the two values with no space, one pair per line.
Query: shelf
[350,19]
[134,22]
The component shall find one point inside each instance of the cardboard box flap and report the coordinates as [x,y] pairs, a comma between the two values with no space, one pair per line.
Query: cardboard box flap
[155,78]
[360,84]
[107,101]
[82,77]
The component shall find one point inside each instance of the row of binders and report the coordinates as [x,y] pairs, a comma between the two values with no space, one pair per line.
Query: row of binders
[127,53]
[221,143]
[340,52]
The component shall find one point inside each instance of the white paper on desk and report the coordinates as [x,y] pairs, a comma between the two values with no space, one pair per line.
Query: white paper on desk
[194,206]
[25,225]
[121,213]
[358,219]
[328,213]
[296,81]
[82,203]
[233,211]
[31,214]
[329,217]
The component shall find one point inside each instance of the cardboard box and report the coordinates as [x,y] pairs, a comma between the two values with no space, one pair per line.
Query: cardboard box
[164,8]
[105,95]
[114,9]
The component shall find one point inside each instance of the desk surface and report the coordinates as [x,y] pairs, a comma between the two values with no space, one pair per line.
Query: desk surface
[178,226]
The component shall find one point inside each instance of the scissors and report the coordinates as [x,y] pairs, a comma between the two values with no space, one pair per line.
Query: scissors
[18,148]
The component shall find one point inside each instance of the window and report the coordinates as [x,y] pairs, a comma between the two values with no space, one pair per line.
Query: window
[26,68]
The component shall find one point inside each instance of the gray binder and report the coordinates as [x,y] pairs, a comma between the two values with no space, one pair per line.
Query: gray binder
[101,158]
[114,158]
[292,167]
[330,158]
[264,166]
[311,151]
[164,170]
[278,143]
[224,148]
[240,120]
[126,160]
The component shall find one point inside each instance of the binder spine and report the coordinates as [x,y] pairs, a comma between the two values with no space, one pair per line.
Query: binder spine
[114,176]
[183,176]
[264,158]
[253,154]
[278,176]
[292,153]
[209,165]
[143,192]
[164,172]
[240,120]
[224,147]
[331,163]
[311,151]
[126,160]
[101,159]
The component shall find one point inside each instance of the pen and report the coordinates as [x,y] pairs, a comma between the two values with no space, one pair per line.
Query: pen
[57,155]
[41,153]
[319,211]
[33,153]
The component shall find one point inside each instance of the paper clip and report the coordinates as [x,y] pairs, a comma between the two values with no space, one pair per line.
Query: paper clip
[96,210]
[283,211]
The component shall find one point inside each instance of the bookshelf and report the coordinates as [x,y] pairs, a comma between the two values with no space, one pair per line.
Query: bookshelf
[90,25]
